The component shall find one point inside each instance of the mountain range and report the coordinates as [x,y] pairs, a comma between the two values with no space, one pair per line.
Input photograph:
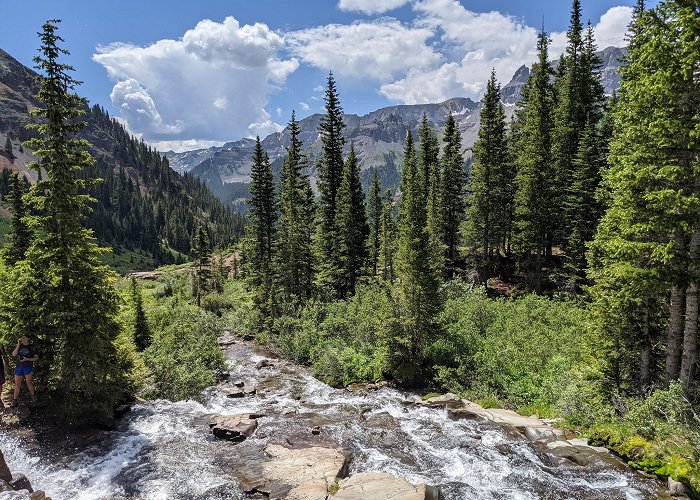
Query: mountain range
[142,205]
[377,136]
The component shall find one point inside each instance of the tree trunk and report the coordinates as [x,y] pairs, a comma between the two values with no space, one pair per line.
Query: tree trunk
[690,339]
[674,347]
[645,354]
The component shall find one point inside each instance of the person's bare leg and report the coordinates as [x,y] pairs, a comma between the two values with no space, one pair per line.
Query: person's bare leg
[30,384]
[18,386]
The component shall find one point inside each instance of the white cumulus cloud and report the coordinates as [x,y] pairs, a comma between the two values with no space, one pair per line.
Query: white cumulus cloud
[371,6]
[212,85]
[379,50]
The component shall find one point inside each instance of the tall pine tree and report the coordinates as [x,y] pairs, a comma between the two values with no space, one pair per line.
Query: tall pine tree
[452,186]
[490,183]
[374,209]
[63,295]
[330,178]
[295,263]
[261,232]
[419,283]
[534,207]
[351,224]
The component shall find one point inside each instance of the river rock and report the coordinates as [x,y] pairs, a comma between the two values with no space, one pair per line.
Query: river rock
[5,474]
[544,434]
[39,495]
[382,486]
[468,410]
[234,392]
[234,428]
[585,456]
[678,489]
[20,482]
[264,363]
[5,486]
[446,400]
[307,472]
[122,410]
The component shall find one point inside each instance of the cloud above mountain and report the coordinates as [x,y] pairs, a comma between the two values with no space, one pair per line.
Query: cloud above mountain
[212,84]
[215,82]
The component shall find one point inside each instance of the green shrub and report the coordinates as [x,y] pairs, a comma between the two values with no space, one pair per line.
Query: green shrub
[217,303]
[184,356]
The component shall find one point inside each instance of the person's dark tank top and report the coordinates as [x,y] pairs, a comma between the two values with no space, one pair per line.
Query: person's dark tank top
[25,351]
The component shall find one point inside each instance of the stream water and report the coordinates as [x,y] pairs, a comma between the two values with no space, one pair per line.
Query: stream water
[164,450]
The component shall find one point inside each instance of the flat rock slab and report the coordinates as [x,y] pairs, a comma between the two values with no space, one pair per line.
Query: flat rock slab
[300,474]
[509,417]
[448,400]
[382,486]
[234,428]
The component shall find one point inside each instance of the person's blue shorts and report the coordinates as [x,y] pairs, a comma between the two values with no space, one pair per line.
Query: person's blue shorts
[22,371]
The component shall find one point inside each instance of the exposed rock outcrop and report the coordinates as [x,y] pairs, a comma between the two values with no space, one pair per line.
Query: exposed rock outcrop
[382,486]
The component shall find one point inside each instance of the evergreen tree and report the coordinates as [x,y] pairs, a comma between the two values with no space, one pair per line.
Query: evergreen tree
[330,178]
[388,240]
[569,121]
[490,183]
[375,209]
[201,252]
[261,231]
[20,236]
[647,246]
[8,147]
[63,296]
[534,210]
[294,258]
[142,333]
[419,283]
[428,156]
[351,223]
[452,186]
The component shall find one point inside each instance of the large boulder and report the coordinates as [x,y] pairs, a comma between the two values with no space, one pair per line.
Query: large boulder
[382,486]
[234,428]
[5,474]
[303,473]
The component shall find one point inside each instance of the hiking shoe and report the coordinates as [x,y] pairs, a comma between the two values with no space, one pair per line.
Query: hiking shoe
[34,398]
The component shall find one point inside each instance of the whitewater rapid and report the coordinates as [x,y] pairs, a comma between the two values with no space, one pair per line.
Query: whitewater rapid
[164,450]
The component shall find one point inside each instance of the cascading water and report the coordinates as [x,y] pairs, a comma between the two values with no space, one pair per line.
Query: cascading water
[164,450]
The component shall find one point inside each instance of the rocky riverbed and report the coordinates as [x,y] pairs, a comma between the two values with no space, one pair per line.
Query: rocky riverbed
[274,431]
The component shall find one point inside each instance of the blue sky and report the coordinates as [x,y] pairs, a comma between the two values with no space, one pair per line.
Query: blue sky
[189,74]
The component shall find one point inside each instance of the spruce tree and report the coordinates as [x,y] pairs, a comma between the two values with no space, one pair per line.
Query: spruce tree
[63,295]
[534,208]
[201,251]
[374,209]
[388,240]
[295,263]
[452,186]
[8,147]
[419,283]
[142,332]
[351,223]
[20,236]
[261,231]
[330,178]
[490,190]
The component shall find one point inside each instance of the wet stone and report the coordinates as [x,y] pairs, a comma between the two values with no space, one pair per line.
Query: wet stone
[5,474]
[264,363]
[382,486]
[20,482]
[235,428]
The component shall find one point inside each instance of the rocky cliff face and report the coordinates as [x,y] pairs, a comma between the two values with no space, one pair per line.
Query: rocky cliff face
[378,136]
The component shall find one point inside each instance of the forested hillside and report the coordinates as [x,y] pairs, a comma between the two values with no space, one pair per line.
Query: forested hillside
[142,204]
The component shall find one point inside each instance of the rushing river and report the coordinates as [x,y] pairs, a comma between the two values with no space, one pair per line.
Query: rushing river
[164,450]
